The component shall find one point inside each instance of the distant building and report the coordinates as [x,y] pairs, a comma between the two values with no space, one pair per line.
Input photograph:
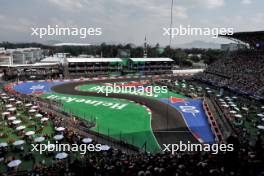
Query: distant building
[195,55]
[123,53]
[21,55]
[23,63]
[53,59]
[62,55]
[86,56]
[31,71]
[2,50]
[5,59]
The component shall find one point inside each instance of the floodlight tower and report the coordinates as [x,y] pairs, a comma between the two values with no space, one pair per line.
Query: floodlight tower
[145,48]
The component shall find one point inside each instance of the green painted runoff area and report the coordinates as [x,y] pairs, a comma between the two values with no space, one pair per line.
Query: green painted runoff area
[118,118]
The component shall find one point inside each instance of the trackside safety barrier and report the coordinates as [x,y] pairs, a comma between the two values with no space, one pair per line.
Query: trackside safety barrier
[213,123]
[54,108]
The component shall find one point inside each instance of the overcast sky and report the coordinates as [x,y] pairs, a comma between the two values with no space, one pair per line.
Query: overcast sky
[126,21]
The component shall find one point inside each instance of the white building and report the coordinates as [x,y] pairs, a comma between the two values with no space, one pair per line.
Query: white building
[5,59]
[2,50]
[53,59]
[20,56]
[62,55]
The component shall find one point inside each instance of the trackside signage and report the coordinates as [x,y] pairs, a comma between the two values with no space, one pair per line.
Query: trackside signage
[111,105]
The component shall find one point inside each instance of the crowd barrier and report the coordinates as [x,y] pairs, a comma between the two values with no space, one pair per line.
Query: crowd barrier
[214,126]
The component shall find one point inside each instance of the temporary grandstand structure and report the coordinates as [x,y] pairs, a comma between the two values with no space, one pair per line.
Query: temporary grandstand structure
[26,71]
[240,71]
[150,65]
[93,66]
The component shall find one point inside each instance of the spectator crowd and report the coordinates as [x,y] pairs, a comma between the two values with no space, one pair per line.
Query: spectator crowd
[242,71]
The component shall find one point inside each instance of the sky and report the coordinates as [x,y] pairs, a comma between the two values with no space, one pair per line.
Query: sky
[127,21]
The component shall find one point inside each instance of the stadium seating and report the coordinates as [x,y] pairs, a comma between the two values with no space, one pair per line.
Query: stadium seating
[242,71]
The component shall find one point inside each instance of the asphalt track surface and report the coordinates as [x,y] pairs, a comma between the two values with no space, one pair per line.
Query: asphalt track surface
[167,123]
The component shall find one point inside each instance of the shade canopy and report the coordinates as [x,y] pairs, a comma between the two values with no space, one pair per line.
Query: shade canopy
[19,142]
[58,137]
[104,147]
[14,163]
[62,155]
[39,139]
[87,140]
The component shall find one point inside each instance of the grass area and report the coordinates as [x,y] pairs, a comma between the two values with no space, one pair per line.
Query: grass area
[29,123]
[120,119]
[11,135]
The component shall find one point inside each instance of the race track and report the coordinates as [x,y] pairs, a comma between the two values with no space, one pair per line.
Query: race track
[167,123]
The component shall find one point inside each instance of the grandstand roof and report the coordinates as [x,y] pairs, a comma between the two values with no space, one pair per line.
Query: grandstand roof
[52,59]
[151,59]
[30,65]
[80,60]
[72,44]
[254,38]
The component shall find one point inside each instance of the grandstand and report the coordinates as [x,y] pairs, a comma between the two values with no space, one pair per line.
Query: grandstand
[242,70]
[93,66]
[150,66]
[113,66]
[31,71]
[253,39]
